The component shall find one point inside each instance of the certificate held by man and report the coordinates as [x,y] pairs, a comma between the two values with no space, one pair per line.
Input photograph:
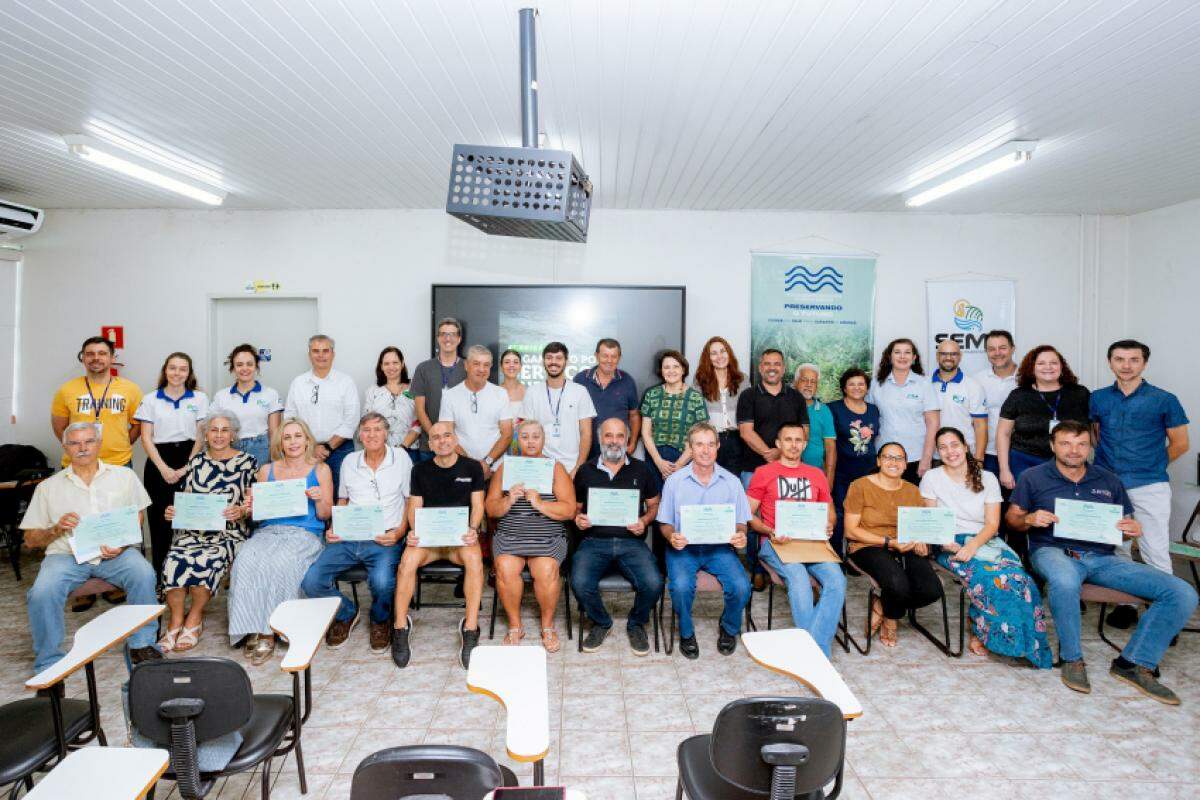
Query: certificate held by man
[535,474]
[708,524]
[613,507]
[442,527]
[799,520]
[275,499]
[119,527]
[1088,522]
[925,525]
[199,512]
[358,523]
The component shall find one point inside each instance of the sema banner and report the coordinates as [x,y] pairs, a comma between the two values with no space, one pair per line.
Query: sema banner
[817,308]
[965,310]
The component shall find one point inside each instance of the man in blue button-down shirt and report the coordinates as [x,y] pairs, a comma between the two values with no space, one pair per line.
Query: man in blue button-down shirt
[704,482]
[1139,430]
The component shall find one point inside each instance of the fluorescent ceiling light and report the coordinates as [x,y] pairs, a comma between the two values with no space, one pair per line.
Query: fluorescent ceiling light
[1003,158]
[135,166]
[128,143]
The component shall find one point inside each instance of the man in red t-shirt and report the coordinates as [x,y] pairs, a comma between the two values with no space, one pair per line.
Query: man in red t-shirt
[804,554]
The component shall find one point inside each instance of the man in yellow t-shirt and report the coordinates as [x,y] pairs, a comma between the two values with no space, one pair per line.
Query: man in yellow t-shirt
[100,398]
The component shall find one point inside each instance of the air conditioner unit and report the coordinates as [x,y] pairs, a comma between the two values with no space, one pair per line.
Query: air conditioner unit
[18,220]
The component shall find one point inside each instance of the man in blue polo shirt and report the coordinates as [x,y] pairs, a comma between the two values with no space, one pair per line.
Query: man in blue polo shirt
[1140,429]
[1066,564]
[704,482]
[614,393]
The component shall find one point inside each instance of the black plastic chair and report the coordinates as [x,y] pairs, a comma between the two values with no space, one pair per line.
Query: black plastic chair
[13,502]
[353,576]
[428,770]
[776,747]
[944,644]
[180,703]
[440,571]
[613,582]
[38,732]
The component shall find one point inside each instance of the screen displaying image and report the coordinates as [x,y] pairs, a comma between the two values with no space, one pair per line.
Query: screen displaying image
[644,319]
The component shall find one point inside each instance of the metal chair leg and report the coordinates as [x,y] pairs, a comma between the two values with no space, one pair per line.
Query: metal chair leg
[1100,626]
[567,592]
[942,644]
[771,605]
[495,600]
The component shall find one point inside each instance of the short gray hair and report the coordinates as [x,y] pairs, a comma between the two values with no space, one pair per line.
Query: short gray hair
[703,427]
[373,416]
[479,350]
[80,426]
[624,425]
[531,423]
[444,321]
[234,423]
[320,337]
[802,367]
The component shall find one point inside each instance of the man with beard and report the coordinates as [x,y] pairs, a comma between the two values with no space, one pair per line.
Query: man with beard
[961,399]
[761,411]
[564,408]
[604,546]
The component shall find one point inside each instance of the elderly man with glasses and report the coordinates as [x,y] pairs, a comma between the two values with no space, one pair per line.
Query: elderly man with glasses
[376,476]
[327,401]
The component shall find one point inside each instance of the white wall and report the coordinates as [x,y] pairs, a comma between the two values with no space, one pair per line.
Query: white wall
[1163,301]
[9,270]
[151,271]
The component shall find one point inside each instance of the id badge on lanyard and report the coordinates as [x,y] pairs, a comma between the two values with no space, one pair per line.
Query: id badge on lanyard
[1053,422]
[556,427]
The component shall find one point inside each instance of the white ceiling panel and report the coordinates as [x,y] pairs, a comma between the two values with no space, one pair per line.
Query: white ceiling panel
[702,104]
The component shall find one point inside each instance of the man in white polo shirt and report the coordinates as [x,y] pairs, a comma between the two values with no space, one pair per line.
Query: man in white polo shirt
[997,381]
[960,399]
[479,411]
[327,401]
[86,486]
[564,408]
[376,475]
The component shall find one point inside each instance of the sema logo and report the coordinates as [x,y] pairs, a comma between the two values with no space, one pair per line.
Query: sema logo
[967,317]
[813,281]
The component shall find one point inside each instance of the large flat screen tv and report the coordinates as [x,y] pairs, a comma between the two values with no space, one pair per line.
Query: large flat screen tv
[644,319]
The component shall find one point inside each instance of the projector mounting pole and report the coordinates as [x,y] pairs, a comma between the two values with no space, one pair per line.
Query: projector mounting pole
[529,109]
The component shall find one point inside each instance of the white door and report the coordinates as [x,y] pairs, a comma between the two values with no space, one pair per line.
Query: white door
[278,327]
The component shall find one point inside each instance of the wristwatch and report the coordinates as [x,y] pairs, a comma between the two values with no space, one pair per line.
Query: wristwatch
[489,460]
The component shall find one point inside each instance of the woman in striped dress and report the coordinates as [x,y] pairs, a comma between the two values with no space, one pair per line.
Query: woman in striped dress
[531,532]
[271,564]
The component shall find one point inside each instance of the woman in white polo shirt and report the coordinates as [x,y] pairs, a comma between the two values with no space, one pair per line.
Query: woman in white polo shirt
[908,406]
[170,420]
[257,407]
[391,398]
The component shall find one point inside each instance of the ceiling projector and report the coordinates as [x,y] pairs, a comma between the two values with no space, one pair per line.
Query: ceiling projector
[524,191]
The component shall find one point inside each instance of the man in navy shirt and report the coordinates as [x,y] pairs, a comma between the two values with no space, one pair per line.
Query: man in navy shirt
[1140,429]
[1066,564]
[614,393]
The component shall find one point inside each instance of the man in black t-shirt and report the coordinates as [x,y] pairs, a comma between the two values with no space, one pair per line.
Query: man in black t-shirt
[762,410]
[604,546]
[448,481]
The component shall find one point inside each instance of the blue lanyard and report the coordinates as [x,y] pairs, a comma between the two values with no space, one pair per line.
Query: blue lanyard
[554,409]
[447,372]
[97,407]
[1053,408]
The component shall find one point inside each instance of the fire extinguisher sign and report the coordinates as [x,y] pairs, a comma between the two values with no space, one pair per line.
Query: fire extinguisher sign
[115,334]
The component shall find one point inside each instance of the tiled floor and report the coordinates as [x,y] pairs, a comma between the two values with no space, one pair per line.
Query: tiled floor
[932,727]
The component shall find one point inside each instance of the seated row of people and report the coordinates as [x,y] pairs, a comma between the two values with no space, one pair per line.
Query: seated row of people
[292,556]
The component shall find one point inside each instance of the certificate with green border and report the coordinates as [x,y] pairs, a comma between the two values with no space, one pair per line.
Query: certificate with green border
[801,520]
[708,524]
[925,525]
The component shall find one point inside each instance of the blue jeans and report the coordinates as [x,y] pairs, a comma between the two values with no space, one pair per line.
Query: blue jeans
[718,560]
[60,575]
[751,540]
[1172,600]
[821,621]
[336,558]
[335,462]
[633,559]
[257,446]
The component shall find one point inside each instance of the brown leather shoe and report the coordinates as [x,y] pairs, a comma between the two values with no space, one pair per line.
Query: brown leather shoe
[381,636]
[339,632]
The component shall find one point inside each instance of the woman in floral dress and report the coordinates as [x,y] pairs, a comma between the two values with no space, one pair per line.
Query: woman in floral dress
[856,422]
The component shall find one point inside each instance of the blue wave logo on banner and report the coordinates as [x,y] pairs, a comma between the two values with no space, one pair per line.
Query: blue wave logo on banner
[825,278]
[967,317]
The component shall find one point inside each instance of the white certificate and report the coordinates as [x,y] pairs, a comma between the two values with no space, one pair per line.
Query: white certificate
[117,528]
[442,526]
[1088,522]
[924,524]
[199,512]
[613,507]
[533,473]
[275,499]
[708,524]
[358,523]
[800,520]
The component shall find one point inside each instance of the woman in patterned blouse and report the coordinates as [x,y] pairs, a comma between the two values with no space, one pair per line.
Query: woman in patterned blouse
[198,560]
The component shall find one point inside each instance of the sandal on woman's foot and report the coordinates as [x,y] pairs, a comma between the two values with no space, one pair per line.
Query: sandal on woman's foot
[887,633]
[168,642]
[550,640]
[514,636]
[977,647]
[874,619]
[189,638]
[263,650]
